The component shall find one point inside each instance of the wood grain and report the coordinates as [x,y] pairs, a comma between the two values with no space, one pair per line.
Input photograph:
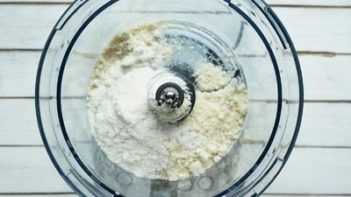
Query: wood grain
[28,170]
[326,78]
[327,32]
[17,73]
[35,21]
[18,123]
[325,124]
[315,171]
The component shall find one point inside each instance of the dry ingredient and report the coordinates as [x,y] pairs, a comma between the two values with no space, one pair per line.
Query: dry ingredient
[130,133]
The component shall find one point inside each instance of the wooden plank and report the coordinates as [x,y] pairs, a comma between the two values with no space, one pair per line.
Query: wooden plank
[325,78]
[327,32]
[315,171]
[308,171]
[17,73]
[18,124]
[318,29]
[28,170]
[324,124]
[36,20]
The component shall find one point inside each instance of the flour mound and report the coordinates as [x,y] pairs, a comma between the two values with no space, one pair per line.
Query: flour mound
[132,135]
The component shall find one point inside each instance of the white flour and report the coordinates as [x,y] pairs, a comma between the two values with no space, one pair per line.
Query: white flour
[130,133]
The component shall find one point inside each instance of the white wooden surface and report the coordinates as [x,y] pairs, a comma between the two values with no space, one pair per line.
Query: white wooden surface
[320,164]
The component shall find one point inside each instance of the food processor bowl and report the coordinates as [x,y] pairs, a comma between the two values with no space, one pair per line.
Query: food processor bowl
[244,36]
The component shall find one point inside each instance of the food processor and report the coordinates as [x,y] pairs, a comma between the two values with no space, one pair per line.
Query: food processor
[243,37]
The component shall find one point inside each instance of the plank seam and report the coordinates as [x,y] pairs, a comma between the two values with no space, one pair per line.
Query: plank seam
[322,147]
[20,50]
[322,53]
[299,52]
[306,101]
[21,146]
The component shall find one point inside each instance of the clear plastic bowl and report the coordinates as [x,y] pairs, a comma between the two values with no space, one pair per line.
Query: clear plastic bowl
[249,28]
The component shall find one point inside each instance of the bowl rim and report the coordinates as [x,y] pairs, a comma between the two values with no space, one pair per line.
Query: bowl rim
[265,10]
